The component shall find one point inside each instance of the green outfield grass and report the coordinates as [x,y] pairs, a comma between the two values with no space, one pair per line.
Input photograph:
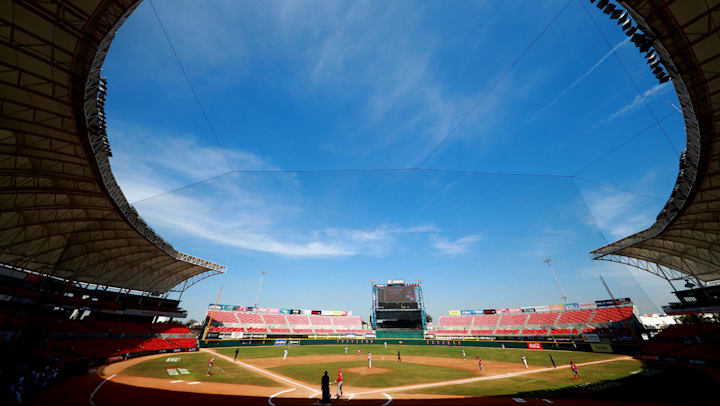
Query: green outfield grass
[534,357]
[541,381]
[196,364]
[397,373]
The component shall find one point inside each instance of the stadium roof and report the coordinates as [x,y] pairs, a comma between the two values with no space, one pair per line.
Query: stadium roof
[61,210]
[685,239]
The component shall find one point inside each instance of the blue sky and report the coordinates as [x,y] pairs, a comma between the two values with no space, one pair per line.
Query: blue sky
[314,85]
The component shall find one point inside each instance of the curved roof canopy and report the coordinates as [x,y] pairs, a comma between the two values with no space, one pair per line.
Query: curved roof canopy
[61,210]
[685,239]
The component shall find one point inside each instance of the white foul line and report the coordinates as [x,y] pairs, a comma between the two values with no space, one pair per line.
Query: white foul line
[481,378]
[262,371]
[279,393]
[389,399]
[90,399]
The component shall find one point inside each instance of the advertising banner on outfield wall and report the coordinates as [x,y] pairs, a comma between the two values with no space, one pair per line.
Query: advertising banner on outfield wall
[318,312]
[236,334]
[284,311]
[528,310]
[572,306]
[454,312]
[601,347]
[478,311]
[591,338]
[502,311]
[556,308]
[295,311]
[326,312]
[535,346]
[239,308]
[466,312]
[610,302]
[588,305]
[306,311]
[514,310]
[489,311]
[543,308]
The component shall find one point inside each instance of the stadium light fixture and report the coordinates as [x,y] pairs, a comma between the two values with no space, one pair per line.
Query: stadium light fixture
[623,18]
[609,8]
[631,31]
[602,3]
[615,14]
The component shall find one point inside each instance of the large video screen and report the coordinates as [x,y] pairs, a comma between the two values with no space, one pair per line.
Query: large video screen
[396,297]
[399,319]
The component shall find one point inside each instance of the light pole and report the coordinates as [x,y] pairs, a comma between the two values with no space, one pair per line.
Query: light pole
[562,293]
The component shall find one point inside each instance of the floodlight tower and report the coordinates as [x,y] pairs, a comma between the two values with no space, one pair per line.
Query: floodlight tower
[257,298]
[562,292]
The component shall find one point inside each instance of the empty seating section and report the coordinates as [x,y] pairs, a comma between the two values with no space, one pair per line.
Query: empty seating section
[452,332]
[485,320]
[534,324]
[225,317]
[534,332]
[543,318]
[575,316]
[274,319]
[612,314]
[320,320]
[513,319]
[249,318]
[298,320]
[260,323]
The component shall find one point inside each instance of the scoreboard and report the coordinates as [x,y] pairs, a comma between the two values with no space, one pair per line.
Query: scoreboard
[398,306]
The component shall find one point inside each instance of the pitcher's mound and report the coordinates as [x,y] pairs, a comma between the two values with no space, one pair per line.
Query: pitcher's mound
[367,371]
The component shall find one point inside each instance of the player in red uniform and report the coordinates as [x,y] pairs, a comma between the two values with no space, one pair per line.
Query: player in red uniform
[339,381]
[575,371]
[212,361]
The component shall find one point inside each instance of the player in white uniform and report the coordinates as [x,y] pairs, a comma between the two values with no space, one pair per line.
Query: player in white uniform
[385,344]
[524,361]
[369,359]
[463,353]
[346,350]
[285,354]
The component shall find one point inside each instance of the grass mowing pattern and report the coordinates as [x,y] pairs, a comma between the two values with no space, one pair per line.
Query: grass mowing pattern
[534,357]
[398,373]
[196,364]
[549,380]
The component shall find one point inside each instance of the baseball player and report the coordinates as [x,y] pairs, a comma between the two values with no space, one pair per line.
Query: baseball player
[575,371]
[358,351]
[463,353]
[480,364]
[369,359]
[503,346]
[237,350]
[346,350]
[524,361]
[339,382]
[385,344]
[399,360]
[212,362]
[285,354]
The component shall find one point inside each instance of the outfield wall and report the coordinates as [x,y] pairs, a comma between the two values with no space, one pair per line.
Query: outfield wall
[547,345]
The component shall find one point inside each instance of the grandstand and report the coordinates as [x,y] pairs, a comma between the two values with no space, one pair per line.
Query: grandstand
[606,318]
[234,322]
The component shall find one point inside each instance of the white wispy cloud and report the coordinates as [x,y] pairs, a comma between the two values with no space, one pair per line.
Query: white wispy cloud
[454,247]
[580,79]
[235,210]
[637,102]
[617,213]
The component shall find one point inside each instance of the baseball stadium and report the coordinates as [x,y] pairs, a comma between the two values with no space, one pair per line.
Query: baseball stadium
[95,302]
